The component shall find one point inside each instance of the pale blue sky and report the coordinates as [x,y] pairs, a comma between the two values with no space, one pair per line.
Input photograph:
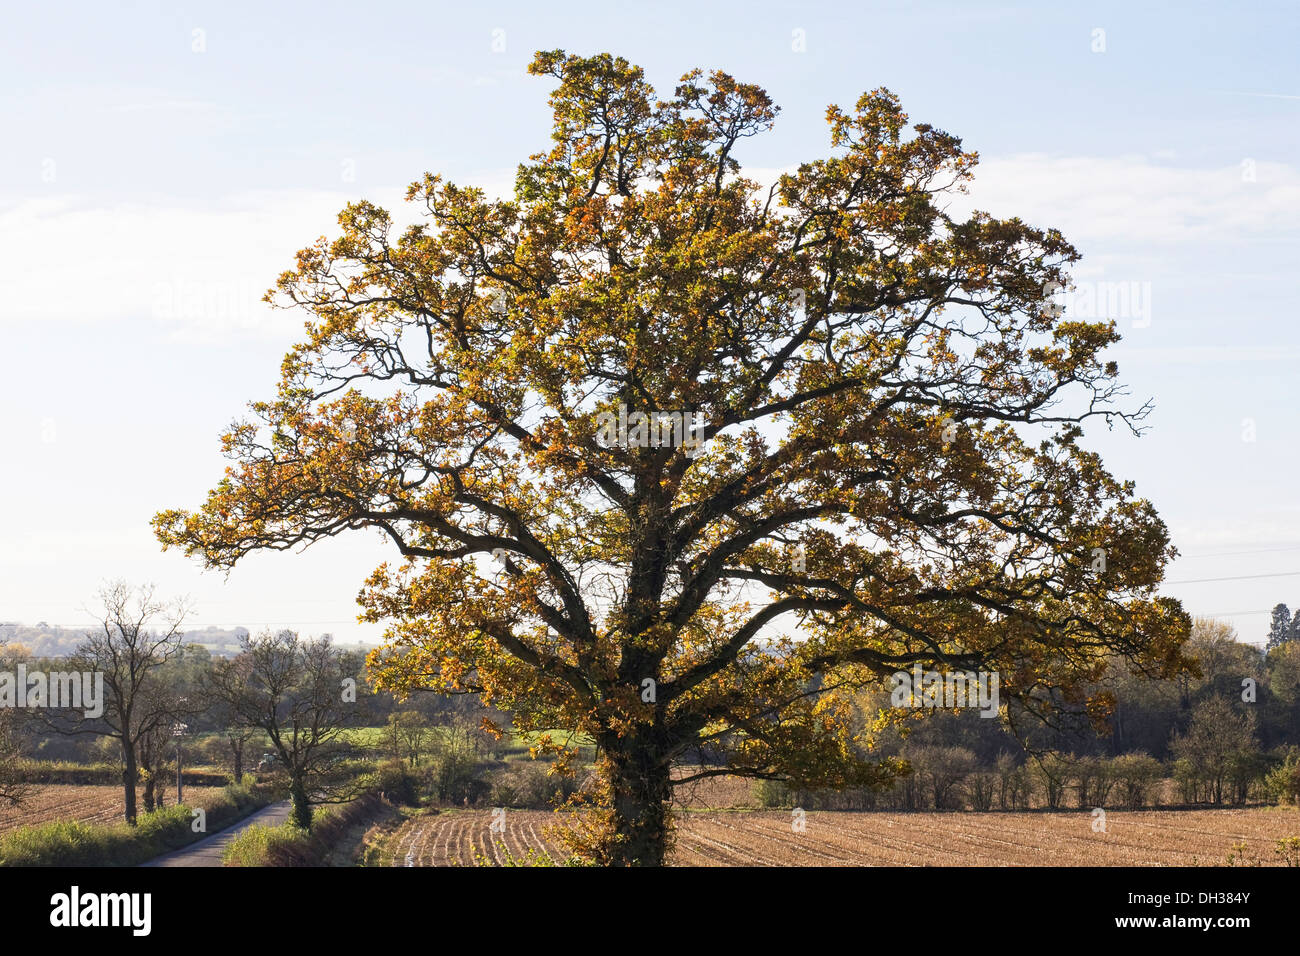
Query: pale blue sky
[154,180]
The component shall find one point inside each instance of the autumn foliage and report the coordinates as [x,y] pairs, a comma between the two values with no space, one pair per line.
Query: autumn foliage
[890,472]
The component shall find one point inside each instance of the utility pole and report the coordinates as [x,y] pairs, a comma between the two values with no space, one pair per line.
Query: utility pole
[178,730]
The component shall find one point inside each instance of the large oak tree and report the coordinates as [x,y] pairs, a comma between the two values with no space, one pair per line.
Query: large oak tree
[890,469]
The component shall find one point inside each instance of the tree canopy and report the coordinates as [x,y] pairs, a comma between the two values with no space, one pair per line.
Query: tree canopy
[889,413]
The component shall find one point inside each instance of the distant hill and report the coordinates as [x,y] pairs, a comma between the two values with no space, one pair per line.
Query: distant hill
[47,640]
[219,641]
[43,640]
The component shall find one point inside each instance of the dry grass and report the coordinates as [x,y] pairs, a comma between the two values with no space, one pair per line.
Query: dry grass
[830,838]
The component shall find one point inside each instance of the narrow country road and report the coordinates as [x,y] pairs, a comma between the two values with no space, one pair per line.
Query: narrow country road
[207,852]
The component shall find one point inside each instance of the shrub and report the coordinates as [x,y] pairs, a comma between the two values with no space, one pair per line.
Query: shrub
[941,771]
[772,794]
[1052,772]
[530,786]
[544,789]
[396,781]
[1188,779]
[982,788]
[1135,775]
[1282,783]
[1245,770]
[457,779]
[64,772]
[1013,783]
[1094,780]
[1288,848]
[506,793]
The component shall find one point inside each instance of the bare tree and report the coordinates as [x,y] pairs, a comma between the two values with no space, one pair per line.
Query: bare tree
[941,770]
[139,633]
[1216,737]
[409,734]
[297,691]
[13,789]
[151,758]
[174,697]
[415,735]
[235,730]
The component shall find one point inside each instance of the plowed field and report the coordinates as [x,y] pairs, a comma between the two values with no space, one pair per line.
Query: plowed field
[87,804]
[846,838]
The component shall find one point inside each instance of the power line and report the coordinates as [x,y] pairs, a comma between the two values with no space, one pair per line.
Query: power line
[1239,577]
[1226,554]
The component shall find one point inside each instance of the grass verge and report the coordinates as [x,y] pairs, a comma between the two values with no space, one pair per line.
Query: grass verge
[71,843]
[334,839]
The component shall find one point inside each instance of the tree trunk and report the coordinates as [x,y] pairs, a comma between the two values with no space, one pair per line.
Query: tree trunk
[642,818]
[129,775]
[149,783]
[237,751]
[301,814]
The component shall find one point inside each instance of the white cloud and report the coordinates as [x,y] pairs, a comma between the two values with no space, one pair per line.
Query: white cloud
[1135,200]
[1128,199]
[201,269]
[197,269]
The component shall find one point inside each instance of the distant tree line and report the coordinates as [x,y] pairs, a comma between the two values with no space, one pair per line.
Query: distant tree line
[1227,736]
[292,699]
[1283,628]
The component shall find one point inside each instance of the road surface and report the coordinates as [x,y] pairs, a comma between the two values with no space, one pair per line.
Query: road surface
[207,852]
